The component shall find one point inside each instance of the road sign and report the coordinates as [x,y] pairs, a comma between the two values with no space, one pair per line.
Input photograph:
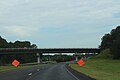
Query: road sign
[81,62]
[15,63]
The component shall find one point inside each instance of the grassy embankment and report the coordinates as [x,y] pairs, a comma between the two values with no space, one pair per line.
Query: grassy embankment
[101,67]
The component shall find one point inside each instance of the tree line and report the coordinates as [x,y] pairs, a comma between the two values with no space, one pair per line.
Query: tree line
[111,41]
[23,58]
[26,58]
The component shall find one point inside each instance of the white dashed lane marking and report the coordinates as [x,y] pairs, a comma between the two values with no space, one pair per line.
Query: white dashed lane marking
[30,74]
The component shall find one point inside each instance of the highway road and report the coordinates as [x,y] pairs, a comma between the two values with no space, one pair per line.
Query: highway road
[50,72]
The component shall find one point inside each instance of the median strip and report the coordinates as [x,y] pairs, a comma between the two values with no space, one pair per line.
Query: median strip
[30,74]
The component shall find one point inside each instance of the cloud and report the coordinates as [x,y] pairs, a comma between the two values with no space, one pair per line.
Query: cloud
[45,13]
[60,21]
[19,31]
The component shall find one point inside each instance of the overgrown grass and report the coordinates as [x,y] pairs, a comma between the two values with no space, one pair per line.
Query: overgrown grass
[101,67]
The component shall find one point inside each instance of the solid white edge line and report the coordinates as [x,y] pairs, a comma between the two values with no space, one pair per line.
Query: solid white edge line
[72,74]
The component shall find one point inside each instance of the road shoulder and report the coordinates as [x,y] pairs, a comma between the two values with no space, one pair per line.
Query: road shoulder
[77,74]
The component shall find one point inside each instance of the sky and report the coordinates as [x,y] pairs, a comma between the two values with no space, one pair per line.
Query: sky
[58,23]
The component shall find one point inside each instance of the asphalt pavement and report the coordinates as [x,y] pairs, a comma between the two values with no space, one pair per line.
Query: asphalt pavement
[49,72]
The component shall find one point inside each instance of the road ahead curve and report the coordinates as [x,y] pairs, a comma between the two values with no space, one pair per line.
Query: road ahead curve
[50,72]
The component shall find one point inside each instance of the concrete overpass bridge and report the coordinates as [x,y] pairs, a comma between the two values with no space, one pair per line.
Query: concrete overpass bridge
[40,51]
[47,50]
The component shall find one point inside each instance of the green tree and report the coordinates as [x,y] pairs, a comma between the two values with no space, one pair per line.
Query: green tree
[112,41]
[3,43]
[106,42]
[115,48]
[23,58]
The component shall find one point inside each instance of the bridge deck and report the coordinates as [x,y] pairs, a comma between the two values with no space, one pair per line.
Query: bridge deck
[48,50]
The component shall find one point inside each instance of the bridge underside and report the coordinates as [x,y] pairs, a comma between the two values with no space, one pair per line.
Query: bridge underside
[48,50]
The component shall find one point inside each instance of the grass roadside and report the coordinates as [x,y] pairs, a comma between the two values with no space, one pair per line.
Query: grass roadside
[5,68]
[100,69]
[10,67]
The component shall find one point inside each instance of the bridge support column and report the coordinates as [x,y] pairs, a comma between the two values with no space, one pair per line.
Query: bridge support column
[76,58]
[39,57]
